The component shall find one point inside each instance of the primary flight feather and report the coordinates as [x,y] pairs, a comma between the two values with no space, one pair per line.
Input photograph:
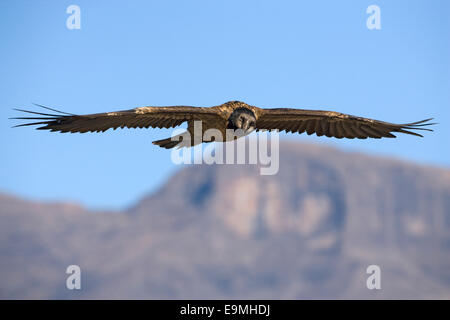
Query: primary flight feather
[234,115]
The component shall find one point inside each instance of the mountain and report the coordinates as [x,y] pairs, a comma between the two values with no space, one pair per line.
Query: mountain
[225,231]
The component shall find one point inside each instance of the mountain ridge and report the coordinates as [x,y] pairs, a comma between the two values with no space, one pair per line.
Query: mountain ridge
[225,231]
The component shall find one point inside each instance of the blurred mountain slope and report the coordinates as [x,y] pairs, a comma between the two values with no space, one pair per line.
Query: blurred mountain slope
[227,232]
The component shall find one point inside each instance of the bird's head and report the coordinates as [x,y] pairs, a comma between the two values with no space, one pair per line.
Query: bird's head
[242,118]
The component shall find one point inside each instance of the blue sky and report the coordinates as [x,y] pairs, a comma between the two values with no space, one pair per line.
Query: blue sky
[304,54]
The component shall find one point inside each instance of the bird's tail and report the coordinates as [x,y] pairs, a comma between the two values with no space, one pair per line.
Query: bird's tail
[166,143]
[170,143]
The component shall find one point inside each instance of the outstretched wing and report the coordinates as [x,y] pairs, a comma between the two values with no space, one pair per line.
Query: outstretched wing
[333,124]
[156,117]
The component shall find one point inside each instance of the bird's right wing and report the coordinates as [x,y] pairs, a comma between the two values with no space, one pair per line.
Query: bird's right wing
[156,117]
[333,124]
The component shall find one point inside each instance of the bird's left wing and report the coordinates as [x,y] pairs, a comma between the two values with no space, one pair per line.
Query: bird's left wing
[156,117]
[333,124]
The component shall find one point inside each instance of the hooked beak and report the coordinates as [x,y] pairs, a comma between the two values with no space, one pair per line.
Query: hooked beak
[250,129]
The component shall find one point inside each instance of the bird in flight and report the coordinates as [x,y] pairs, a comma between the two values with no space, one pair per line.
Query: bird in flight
[233,115]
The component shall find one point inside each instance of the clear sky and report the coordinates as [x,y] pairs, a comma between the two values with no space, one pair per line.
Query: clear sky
[304,54]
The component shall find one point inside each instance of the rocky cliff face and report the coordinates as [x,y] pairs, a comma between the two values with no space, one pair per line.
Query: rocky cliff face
[227,232]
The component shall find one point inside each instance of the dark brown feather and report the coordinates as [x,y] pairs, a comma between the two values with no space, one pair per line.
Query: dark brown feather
[335,124]
[329,123]
[160,117]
